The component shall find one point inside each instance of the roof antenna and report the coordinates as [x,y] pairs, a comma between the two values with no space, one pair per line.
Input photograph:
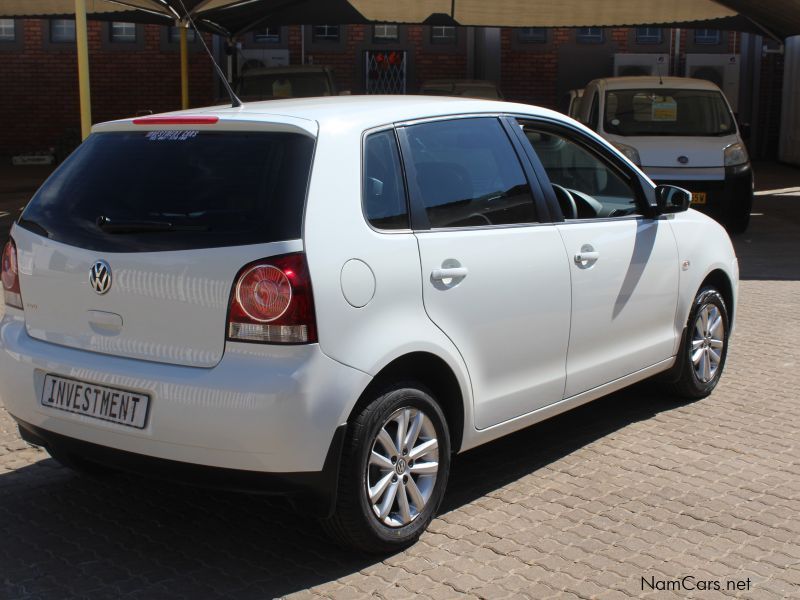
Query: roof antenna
[235,102]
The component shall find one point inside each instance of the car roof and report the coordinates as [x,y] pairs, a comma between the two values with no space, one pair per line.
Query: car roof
[646,81]
[361,112]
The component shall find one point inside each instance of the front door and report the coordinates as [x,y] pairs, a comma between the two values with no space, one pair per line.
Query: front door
[624,265]
[495,280]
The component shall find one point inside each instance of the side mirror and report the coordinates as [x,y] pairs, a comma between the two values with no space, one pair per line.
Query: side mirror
[672,199]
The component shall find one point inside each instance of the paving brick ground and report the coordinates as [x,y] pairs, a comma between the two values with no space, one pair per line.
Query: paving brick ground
[585,505]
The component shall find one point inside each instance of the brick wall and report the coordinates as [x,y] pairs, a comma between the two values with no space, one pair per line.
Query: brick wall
[530,76]
[39,99]
[432,62]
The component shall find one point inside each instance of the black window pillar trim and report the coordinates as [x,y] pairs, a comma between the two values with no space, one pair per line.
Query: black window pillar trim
[406,190]
[539,171]
[546,202]
[419,217]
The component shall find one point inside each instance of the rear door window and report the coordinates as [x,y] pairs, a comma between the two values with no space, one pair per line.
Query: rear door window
[383,188]
[467,174]
[175,190]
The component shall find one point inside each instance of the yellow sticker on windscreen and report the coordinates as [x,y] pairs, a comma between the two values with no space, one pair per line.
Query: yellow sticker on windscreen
[666,109]
[282,88]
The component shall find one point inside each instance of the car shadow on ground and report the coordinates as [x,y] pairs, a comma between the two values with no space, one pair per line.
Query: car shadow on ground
[65,535]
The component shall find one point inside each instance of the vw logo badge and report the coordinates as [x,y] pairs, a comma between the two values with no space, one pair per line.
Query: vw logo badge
[683,159]
[100,277]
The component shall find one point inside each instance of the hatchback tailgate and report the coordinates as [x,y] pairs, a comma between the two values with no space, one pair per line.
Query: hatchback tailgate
[162,306]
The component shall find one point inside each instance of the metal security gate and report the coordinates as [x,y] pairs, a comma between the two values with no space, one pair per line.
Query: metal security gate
[386,71]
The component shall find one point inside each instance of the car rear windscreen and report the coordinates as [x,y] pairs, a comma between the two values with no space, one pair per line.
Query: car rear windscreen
[175,190]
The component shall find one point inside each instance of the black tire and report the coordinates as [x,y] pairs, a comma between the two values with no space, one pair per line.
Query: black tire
[737,218]
[80,465]
[354,522]
[684,379]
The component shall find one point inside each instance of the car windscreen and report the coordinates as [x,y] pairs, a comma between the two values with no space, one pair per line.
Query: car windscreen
[175,190]
[642,112]
[287,85]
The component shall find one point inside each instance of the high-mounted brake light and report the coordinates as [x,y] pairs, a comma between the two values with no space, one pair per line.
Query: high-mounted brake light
[10,276]
[194,120]
[272,303]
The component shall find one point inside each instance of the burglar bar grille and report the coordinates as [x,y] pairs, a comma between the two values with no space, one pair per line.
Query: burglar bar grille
[386,72]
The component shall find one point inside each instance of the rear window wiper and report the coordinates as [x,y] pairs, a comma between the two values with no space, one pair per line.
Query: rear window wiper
[135,226]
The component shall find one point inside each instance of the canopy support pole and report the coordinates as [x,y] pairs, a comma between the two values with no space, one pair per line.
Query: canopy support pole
[184,67]
[82,41]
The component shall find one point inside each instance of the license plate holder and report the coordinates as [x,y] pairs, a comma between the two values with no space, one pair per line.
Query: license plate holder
[101,402]
[699,197]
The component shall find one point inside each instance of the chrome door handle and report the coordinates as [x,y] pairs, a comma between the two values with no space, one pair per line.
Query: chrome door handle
[449,273]
[584,257]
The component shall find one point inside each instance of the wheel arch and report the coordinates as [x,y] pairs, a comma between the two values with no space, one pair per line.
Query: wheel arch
[722,282]
[434,373]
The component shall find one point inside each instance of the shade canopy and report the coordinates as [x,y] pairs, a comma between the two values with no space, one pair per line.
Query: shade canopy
[777,18]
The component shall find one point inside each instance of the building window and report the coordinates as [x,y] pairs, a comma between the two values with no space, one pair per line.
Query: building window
[124,33]
[326,33]
[386,33]
[268,35]
[589,35]
[648,35]
[532,35]
[443,34]
[7,32]
[706,36]
[62,30]
[175,35]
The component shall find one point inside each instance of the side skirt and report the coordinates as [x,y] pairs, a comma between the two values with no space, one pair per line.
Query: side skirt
[477,437]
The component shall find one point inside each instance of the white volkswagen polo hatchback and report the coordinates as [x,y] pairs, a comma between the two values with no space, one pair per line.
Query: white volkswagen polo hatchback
[328,298]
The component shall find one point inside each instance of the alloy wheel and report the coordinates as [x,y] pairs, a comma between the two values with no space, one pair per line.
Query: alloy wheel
[402,467]
[708,341]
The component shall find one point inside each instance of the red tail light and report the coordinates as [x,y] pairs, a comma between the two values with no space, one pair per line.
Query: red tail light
[10,276]
[272,303]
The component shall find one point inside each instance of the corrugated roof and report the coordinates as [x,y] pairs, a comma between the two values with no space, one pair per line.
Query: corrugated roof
[780,18]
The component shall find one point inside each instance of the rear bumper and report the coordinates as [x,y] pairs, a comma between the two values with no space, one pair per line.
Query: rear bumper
[262,409]
[317,486]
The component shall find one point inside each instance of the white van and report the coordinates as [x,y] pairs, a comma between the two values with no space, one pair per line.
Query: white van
[679,131]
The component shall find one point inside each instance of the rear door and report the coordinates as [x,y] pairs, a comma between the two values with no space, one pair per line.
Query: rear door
[624,265]
[132,246]
[495,278]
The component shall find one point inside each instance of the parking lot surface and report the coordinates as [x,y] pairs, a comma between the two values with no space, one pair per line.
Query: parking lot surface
[633,495]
